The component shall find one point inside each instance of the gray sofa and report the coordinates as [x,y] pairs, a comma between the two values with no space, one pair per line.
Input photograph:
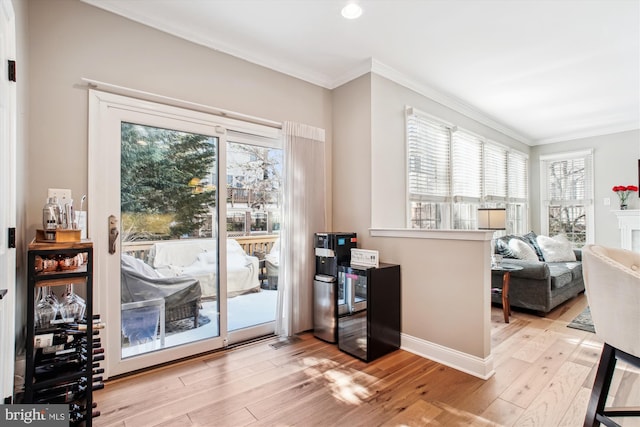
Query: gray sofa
[540,286]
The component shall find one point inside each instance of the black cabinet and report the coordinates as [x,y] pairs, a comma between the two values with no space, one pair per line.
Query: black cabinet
[63,348]
[369,311]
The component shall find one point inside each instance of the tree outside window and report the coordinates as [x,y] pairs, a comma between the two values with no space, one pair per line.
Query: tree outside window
[168,186]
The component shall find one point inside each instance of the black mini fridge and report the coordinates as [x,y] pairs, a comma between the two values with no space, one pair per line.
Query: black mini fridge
[369,310]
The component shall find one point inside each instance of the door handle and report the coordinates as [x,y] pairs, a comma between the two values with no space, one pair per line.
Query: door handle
[113,233]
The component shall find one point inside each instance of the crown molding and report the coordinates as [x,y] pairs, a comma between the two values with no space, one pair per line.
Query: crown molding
[361,69]
[169,27]
[607,130]
[452,102]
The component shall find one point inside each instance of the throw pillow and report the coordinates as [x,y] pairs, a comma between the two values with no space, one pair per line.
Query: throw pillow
[531,238]
[556,248]
[502,247]
[522,250]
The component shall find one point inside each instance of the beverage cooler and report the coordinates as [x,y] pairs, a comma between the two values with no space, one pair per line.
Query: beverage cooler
[331,251]
[369,310]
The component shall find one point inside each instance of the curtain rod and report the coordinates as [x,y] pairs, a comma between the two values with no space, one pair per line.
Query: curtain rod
[148,96]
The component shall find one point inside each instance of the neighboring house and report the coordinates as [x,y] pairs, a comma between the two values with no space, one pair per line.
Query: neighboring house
[444,307]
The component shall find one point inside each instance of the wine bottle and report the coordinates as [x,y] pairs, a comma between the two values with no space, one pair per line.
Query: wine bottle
[66,396]
[75,343]
[57,390]
[51,339]
[60,365]
[83,326]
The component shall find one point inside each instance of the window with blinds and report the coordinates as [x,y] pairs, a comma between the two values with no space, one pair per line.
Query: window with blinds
[495,173]
[466,163]
[428,157]
[566,192]
[452,172]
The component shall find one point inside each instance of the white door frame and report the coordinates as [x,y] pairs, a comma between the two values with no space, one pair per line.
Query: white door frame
[106,111]
[8,191]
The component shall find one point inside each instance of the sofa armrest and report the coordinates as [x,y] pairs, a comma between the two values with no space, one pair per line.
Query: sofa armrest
[536,270]
[578,253]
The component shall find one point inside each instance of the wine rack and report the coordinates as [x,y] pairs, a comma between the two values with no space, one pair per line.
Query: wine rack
[63,346]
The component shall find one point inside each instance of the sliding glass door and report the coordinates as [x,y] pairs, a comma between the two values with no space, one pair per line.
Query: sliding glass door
[169,238]
[175,274]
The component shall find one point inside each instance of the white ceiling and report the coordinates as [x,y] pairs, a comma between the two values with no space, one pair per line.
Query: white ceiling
[541,70]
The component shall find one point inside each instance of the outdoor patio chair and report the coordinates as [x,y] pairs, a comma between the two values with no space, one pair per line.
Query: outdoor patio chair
[181,294]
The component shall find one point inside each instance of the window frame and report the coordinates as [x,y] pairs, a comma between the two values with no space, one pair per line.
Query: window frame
[447,205]
[587,201]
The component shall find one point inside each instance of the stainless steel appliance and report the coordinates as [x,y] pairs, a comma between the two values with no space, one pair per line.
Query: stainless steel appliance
[331,250]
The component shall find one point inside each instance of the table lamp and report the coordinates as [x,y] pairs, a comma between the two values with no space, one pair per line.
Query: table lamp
[492,219]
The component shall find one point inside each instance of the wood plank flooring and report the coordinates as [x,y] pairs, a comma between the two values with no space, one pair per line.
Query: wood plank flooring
[544,374]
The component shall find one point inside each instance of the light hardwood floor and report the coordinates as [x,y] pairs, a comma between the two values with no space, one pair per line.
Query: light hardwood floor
[544,374]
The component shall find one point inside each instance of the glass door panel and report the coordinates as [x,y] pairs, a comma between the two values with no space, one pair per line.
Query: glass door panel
[254,202]
[169,238]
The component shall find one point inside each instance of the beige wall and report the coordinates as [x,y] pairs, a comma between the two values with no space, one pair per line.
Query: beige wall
[352,157]
[442,303]
[63,41]
[615,162]
[70,40]
[66,40]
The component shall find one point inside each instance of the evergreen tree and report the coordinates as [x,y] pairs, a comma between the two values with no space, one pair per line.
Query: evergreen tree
[167,172]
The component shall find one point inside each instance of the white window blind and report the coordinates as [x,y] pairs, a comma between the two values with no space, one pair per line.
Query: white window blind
[428,159]
[566,181]
[495,173]
[452,172]
[466,167]
[567,195]
[518,177]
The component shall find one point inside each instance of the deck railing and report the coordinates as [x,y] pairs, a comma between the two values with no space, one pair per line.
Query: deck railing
[250,244]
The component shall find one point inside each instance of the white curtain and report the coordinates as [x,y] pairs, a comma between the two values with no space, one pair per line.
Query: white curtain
[304,214]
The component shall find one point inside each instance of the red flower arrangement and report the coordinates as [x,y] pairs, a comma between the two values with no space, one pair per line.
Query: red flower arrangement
[623,193]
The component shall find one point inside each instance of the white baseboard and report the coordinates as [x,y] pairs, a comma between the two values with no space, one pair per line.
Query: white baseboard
[473,365]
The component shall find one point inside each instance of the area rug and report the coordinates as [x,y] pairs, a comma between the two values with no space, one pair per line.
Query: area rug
[583,321]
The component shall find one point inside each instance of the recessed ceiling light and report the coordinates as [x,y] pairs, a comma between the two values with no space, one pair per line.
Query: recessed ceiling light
[352,11]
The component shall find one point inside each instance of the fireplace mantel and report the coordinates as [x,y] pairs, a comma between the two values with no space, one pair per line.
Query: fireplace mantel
[629,224]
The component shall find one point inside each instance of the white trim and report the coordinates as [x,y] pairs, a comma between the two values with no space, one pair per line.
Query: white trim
[473,365]
[8,186]
[607,130]
[360,70]
[449,101]
[106,111]
[168,26]
[175,102]
[567,155]
[628,223]
[416,233]
[588,202]
[416,111]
